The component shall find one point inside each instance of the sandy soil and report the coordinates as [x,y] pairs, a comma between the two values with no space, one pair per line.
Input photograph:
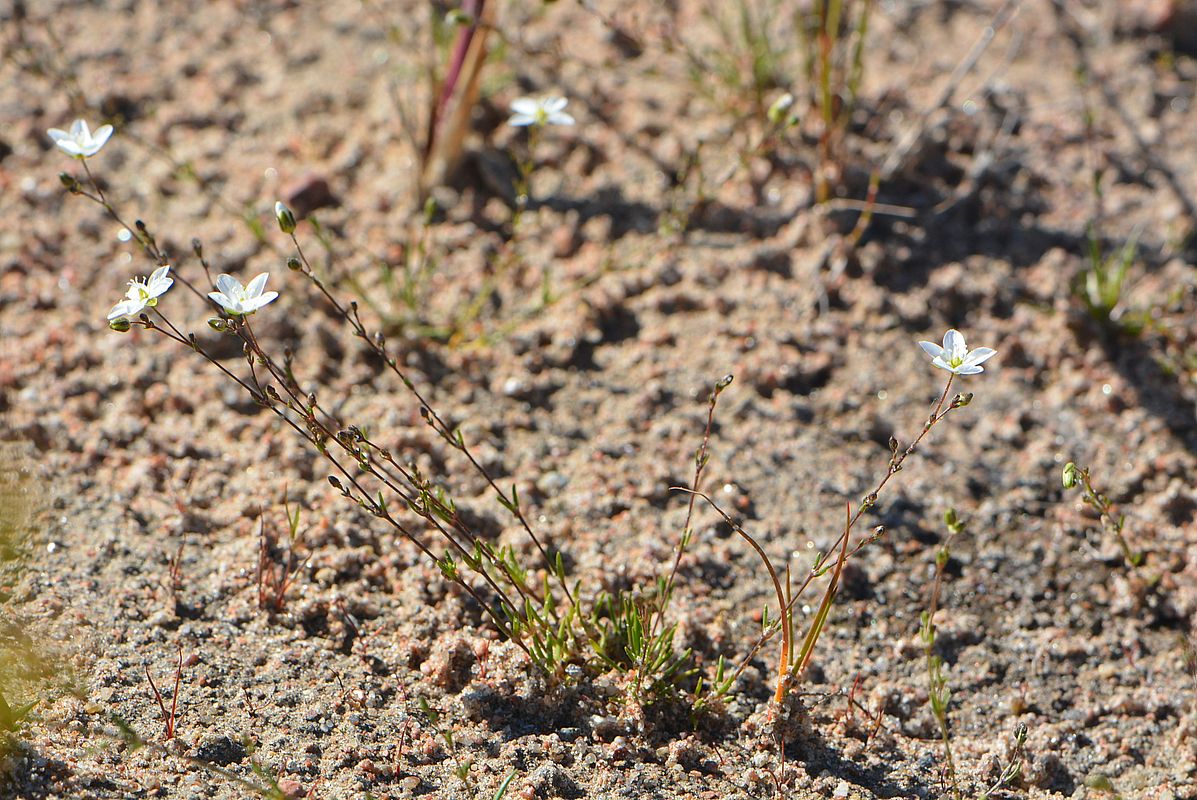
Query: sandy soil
[135,477]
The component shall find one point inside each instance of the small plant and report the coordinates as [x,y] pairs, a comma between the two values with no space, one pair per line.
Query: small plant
[169,716]
[11,717]
[1101,783]
[836,31]
[269,784]
[755,57]
[1114,523]
[276,570]
[1101,285]
[954,357]
[938,693]
[534,114]
[537,612]
[648,638]
[1013,768]
[461,766]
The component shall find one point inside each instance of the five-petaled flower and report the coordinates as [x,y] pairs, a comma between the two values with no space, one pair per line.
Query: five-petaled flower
[238,300]
[142,293]
[79,141]
[955,356]
[539,112]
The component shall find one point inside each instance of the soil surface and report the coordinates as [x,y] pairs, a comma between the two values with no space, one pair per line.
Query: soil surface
[670,238]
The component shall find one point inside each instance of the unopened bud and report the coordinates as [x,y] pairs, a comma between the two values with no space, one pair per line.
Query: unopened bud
[294,264]
[777,111]
[120,325]
[286,220]
[1071,476]
[68,181]
[458,17]
[197,247]
[961,400]
[217,324]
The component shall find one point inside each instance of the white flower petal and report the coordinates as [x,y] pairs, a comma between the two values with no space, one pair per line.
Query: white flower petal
[228,286]
[939,362]
[255,287]
[561,118]
[69,147]
[978,356]
[931,349]
[79,130]
[552,105]
[101,136]
[258,302]
[58,134]
[968,369]
[525,105]
[158,288]
[953,344]
[221,299]
[520,120]
[124,308]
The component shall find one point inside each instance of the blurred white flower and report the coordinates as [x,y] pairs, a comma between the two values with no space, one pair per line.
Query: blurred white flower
[777,111]
[240,300]
[142,294]
[80,142]
[955,356]
[539,112]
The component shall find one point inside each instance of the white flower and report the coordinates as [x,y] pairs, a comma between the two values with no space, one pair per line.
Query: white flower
[955,356]
[545,111]
[142,294]
[80,142]
[240,300]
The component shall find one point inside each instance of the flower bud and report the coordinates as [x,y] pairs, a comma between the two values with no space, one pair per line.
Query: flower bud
[1071,476]
[286,220]
[120,325]
[217,324]
[781,105]
[294,264]
[69,183]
